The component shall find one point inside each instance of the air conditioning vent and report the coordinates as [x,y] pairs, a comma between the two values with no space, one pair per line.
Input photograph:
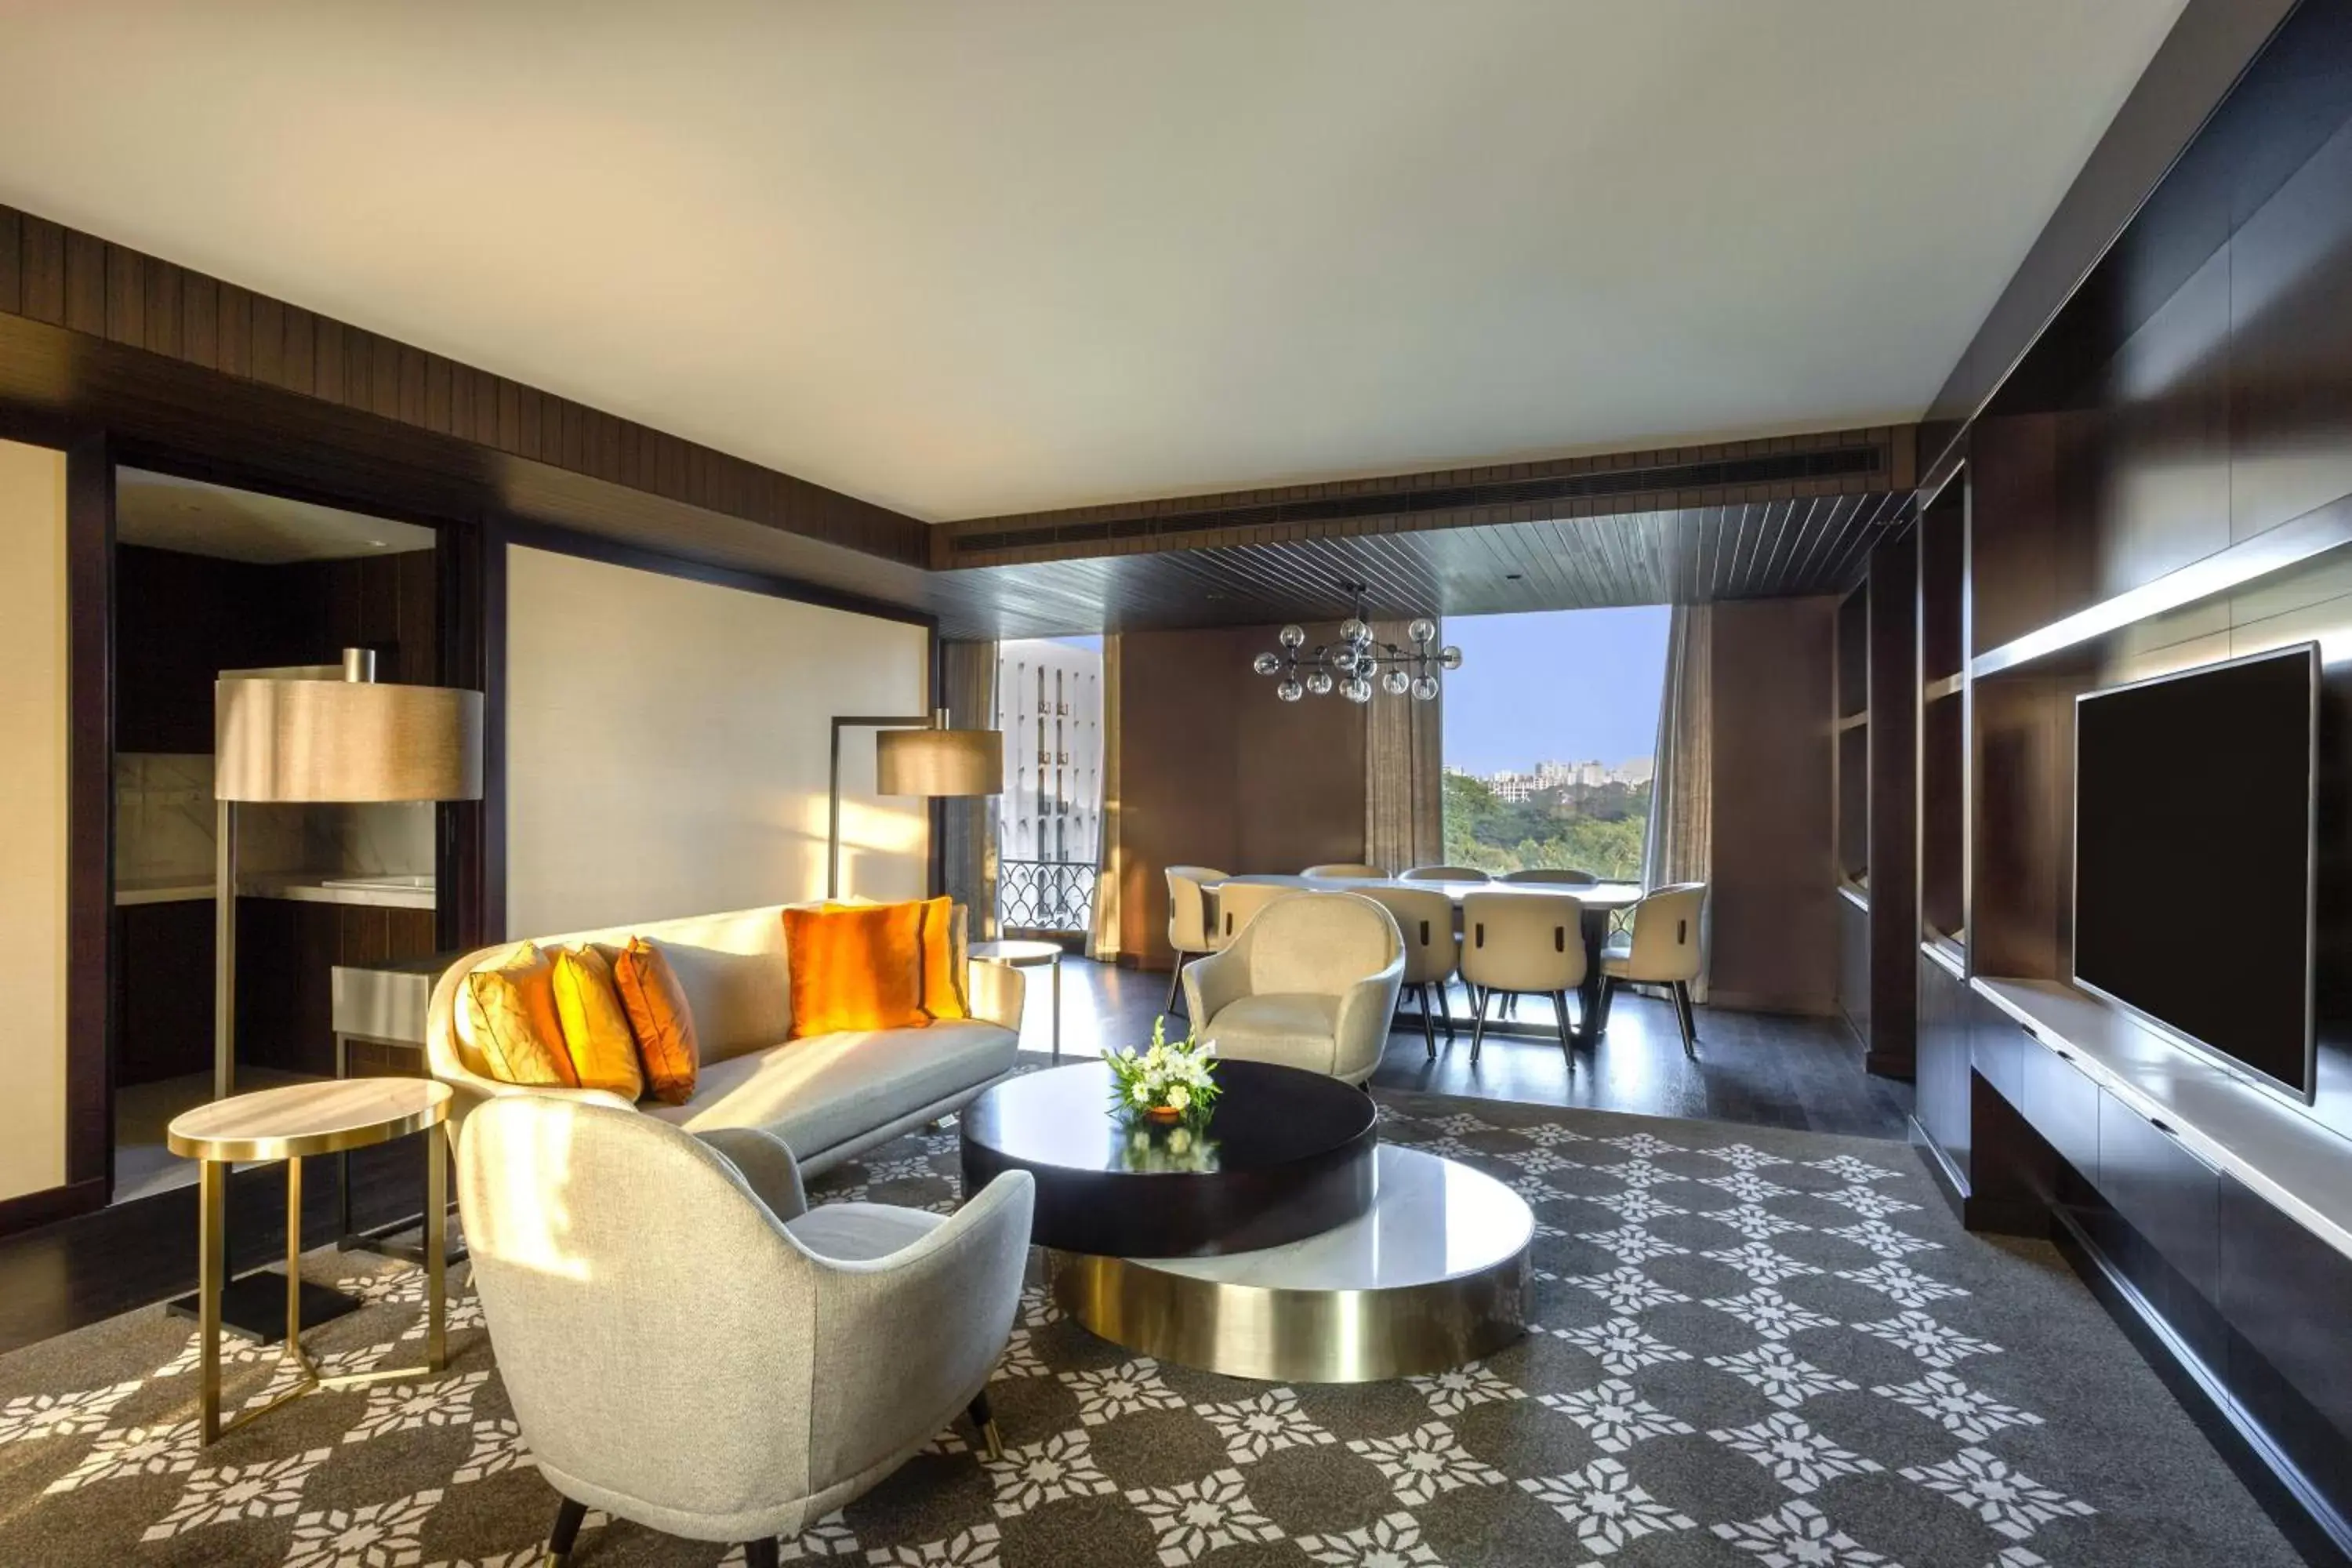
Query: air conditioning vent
[1775,467]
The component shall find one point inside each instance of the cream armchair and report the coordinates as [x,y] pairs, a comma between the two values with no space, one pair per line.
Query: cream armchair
[1311,981]
[690,1347]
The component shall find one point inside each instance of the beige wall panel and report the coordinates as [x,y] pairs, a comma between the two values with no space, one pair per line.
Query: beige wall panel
[667,744]
[33,745]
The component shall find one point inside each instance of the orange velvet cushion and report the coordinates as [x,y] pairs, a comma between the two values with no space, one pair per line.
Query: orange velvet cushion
[855,968]
[511,1008]
[596,1025]
[661,1020]
[943,960]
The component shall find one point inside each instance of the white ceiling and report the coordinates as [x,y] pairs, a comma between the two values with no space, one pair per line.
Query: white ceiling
[197,518]
[963,258]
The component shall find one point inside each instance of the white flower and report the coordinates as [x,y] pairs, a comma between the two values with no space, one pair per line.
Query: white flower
[1140,1093]
[1178,1097]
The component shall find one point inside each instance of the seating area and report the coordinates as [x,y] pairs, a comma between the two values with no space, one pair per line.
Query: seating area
[1039,785]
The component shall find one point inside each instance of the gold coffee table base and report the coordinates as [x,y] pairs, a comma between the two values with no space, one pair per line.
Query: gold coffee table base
[291,1123]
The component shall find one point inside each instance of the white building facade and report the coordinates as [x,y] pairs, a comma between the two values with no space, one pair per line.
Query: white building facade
[1049,705]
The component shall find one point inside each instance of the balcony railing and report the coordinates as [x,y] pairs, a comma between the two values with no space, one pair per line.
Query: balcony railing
[1045,895]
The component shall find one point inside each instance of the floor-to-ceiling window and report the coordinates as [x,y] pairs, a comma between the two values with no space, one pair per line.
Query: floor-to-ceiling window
[1049,704]
[1549,727]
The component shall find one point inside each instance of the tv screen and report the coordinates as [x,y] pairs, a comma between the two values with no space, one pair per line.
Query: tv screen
[2193,855]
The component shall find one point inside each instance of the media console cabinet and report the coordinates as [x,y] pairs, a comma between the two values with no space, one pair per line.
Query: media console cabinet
[2215,1218]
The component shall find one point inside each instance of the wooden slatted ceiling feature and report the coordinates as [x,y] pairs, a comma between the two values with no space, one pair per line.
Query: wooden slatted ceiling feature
[1693,555]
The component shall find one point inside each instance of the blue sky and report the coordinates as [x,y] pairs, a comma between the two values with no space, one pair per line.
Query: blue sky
[1569,685]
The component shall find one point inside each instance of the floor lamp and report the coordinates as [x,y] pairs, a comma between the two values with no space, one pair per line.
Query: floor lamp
[919,756]
[317,734]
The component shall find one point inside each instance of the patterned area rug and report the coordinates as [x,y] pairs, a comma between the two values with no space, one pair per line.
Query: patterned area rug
[1755,1347]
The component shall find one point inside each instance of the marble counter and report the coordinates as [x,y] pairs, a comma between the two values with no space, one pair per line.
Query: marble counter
[309,889]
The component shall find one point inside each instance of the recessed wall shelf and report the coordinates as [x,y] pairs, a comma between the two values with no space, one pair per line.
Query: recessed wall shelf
[2317,530]
[1856,894]
[1853,720]
[1937,691]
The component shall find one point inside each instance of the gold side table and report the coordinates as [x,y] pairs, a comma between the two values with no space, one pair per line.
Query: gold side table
[290,1124]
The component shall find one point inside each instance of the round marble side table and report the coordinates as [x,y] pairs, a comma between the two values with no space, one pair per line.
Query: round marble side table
[330,1117]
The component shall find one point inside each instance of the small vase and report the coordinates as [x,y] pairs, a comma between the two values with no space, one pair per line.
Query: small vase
[1164,1114]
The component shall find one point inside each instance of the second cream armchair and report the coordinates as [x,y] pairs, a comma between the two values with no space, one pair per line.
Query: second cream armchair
[1311,981]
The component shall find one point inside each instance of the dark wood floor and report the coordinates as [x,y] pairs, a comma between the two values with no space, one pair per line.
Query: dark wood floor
[1752,1068]
[1757,1068]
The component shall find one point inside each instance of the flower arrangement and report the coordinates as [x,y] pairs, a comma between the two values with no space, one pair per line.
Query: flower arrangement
[1170,1082]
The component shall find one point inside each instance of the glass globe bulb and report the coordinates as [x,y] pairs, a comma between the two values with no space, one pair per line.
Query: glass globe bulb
[1422,630]
[1353,630]
[1396,682]
[1451,659]
[1343,659]
[1290,691]
[1319,683]
[1292,636]
[1356,689]
[1424,688]
[1265,663]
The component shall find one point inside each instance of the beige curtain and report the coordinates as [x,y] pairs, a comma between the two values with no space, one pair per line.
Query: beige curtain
[1404,798]
[1103,941]
[1680,846]
[968,842]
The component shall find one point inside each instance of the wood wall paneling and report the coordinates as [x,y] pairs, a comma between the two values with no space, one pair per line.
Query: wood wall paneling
[1893,753]
[1773,927]
[1216,771]
[90,914]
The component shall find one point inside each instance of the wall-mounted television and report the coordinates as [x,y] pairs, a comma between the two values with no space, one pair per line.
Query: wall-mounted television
[2195,800]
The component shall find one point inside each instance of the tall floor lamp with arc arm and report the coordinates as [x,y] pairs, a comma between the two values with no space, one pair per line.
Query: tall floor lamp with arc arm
[922,756]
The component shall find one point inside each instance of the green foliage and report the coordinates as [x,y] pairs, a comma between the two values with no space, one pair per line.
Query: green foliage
[1597,829]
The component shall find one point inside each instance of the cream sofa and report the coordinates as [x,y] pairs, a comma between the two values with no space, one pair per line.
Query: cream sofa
[828,1097]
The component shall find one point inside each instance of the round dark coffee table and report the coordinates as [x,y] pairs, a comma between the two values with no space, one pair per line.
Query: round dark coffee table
[1287,1154]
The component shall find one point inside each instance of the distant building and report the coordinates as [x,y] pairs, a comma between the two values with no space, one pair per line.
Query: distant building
[1049,705]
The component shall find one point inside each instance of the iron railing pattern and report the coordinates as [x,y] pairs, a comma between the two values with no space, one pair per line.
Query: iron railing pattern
[1045,895]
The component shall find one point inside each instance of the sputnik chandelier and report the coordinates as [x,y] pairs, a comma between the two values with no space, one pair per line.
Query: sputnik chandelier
[1352,663]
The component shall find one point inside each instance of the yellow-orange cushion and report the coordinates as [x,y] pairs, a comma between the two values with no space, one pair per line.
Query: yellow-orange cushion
[511,1008]
[943,955]
[660,1019]
[596,1027]
[857,968]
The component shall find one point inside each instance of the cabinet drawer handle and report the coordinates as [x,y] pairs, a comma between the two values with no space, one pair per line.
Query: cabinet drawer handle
[2162,1125]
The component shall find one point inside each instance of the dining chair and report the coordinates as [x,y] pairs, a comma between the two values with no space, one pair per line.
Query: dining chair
[1549,877]
[1432,951]
[1663,950]
[1238,903]
[1191,930]
[1522,945]
[1346,871]
[1445,874]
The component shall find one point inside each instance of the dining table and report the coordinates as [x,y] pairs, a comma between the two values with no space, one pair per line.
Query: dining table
[1601,901]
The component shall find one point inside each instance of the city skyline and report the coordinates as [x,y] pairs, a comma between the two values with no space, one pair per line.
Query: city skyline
[1601,672]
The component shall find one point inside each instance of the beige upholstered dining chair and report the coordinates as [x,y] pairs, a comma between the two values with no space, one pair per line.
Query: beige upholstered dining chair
[1192,930]
[688,1346]
[1549,877]
[1664,949]
[1238,903]
[1432,951]
[1310,983]
[1443,873]
[1346,871]
[1520,944]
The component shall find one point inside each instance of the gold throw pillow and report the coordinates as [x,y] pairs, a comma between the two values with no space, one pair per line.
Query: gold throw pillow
[596,1027]
[511,1006]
